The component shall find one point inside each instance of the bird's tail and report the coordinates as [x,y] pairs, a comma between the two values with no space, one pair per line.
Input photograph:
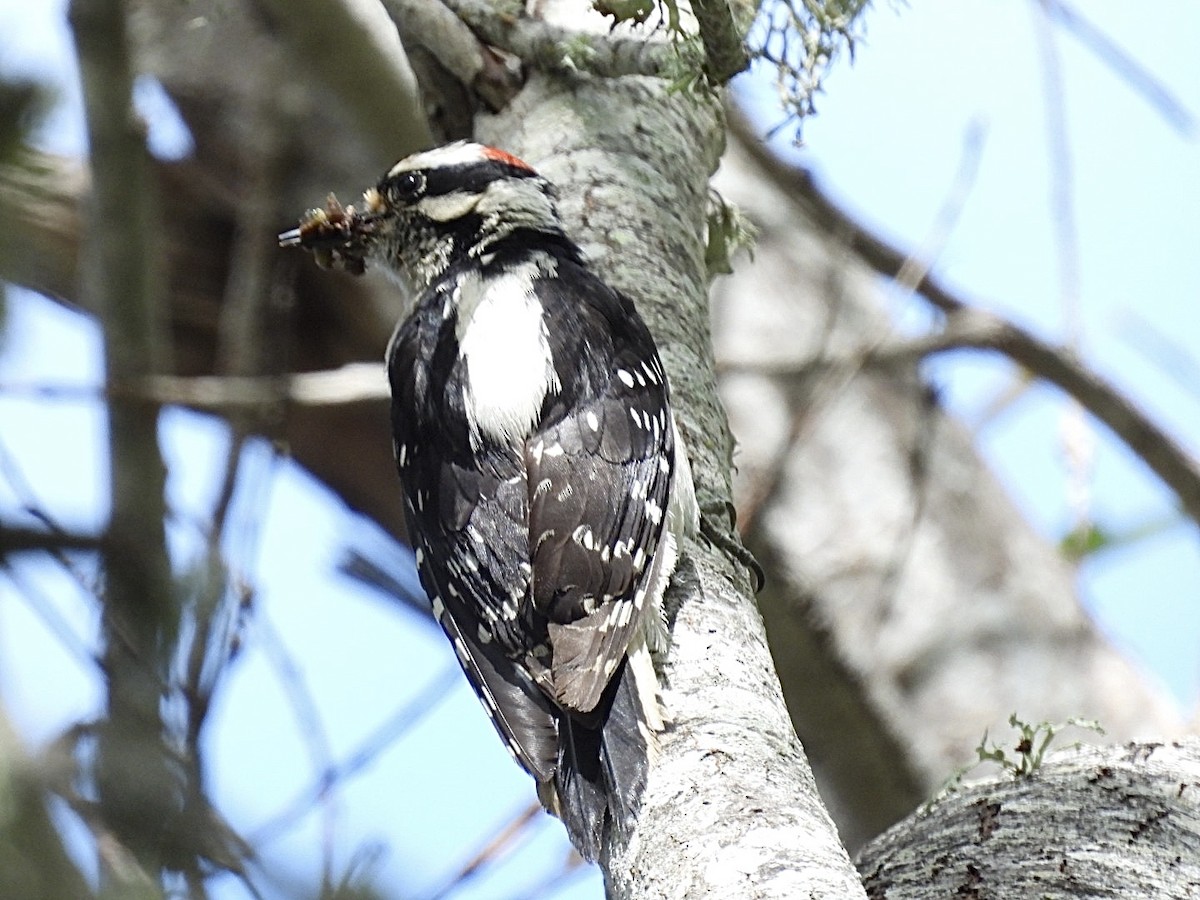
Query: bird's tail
[604,761]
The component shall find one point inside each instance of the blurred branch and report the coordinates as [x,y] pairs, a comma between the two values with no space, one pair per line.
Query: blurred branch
[967,326]
[1128,69]
[1161,350]
[1062,175]
[45,609]
[254,254]
[353,48]
[229,394]
[441,32]
[919,262]
[220,602]
[502,843]
[15,539]
[136,785]
[368,571]
[40,223]
[1076,436]
[335,322]
[972,328]
[840,373]
[309,725]
[23,104]
[333,775]
[35,863]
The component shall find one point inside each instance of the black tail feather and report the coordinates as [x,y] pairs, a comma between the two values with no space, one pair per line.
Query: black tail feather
[602,767]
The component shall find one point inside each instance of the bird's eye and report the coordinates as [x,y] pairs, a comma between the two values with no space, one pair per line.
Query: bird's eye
[406,187]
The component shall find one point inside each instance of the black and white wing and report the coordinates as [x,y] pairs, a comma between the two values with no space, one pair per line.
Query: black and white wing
[599,471]
[477,585]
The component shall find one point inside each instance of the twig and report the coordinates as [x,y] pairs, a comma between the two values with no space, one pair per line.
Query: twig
[401,721]
[44,609]
[308,717]
[972,327]
[363,568]
[555,883]
[1076,435]
[32,506]
[1161,350]
[1125,66]
[346,385]
[502,843]
[910,274]
[1062,205]
[921,260]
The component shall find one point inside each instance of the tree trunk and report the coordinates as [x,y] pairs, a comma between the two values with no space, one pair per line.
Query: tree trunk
[731,807]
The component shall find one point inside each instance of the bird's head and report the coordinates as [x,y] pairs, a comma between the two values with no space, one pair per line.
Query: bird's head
[429,210]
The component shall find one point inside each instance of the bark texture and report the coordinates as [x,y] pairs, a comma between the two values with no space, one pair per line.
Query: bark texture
[1098,822]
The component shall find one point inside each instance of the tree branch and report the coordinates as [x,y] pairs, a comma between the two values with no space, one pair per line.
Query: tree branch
[230,395]
[17,539]
[1094,822]
[971,327]
[441,32]
[559,50]
[136,786]
[352,48]
[631,160]
[725,53]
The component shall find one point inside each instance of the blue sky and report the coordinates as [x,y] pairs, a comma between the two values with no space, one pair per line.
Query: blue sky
[887,143]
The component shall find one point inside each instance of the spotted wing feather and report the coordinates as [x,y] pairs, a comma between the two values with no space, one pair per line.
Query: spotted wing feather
[598,473]
[452,501]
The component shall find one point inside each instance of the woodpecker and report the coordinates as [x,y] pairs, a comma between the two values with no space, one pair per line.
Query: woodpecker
[544,481]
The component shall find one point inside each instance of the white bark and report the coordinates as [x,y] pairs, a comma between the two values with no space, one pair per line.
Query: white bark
[731,809]
[1096,822]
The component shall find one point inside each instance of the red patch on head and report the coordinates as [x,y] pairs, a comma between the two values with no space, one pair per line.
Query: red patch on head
[507,158]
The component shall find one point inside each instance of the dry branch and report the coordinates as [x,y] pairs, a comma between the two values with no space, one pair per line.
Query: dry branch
[968,326]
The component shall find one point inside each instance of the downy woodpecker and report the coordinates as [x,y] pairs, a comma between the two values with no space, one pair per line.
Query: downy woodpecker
[543,476]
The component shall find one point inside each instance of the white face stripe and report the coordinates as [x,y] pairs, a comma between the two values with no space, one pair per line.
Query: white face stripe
[461,153]
[457,154]
[448,207]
